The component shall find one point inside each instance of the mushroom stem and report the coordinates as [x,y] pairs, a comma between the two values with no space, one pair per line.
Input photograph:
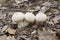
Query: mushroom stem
[22,24]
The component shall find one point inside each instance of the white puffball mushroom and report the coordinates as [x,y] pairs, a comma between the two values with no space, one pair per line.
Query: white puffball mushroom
[17,16]
[41,17]
[29,17]
[22,24]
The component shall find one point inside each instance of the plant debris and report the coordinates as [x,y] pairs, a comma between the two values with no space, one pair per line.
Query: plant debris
[47,30]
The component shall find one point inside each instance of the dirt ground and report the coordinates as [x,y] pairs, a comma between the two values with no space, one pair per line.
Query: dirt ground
[48,30]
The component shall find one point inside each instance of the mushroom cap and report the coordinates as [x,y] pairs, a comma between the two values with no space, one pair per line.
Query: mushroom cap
[17,16]
[29,17]
[41,17]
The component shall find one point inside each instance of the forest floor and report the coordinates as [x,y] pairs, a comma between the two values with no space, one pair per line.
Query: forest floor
[48,30]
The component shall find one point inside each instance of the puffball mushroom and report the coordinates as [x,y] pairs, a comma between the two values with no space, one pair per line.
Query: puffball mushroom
[41,17]
[18,19]
[17,16]
[23,24]
[29,17]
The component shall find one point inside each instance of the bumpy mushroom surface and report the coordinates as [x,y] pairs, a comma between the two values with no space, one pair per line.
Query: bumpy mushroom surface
[17,16]
[41,17]
[29,17]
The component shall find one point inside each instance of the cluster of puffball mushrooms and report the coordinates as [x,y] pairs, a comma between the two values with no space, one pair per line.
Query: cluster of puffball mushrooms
[23,20]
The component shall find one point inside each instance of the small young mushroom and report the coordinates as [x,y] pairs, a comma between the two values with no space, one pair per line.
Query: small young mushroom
[41,17]
[29,17]
[17,17]
[23,24]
